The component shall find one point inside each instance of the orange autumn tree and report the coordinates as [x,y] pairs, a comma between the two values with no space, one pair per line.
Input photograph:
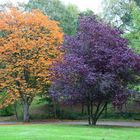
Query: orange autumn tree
[29,44]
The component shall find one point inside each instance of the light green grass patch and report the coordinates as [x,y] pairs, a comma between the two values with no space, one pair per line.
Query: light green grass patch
[67,132]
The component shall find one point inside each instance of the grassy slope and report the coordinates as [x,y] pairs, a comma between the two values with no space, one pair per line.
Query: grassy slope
[67,132]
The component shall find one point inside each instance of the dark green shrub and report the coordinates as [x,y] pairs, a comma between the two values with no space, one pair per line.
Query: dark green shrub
[7,111]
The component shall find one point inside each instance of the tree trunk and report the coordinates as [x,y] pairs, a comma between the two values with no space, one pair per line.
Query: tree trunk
[89,115]
[26,116]
[94,121]
[15,109]
[98,113]
[106,112]
[94,116]
[54,109]
[82,108]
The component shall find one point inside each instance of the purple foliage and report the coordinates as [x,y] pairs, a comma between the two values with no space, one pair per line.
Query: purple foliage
[97,63]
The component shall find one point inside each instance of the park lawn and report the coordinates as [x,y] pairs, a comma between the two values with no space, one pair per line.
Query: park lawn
[67,132]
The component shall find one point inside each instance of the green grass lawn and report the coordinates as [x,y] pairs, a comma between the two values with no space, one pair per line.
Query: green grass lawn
[67,132]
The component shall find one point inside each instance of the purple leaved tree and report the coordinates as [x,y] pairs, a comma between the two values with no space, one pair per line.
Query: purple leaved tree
[97,68]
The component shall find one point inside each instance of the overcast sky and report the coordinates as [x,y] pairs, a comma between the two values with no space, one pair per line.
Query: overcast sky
[94,5]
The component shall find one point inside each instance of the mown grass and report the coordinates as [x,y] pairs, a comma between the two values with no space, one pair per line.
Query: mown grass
[67,132]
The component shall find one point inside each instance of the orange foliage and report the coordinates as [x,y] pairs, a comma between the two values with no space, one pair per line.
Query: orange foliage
[29,44]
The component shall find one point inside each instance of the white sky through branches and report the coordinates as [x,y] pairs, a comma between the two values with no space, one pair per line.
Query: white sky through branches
[94,5]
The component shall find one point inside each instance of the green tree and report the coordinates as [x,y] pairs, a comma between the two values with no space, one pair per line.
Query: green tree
[67,15]
[88,12]
[119,13]
[137,2]
[134,35]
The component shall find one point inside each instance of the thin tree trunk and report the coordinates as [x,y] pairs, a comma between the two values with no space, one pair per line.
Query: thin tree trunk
[89,115]
[82,110]
[98,113]
[106,111]
[26,115]
[91,106]
[15,109]
[55,108]
[94,118]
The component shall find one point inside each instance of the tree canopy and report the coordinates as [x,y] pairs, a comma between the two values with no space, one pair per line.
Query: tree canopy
[134,35]
[67,15]
[30,43]
[119,12]
[97,68]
